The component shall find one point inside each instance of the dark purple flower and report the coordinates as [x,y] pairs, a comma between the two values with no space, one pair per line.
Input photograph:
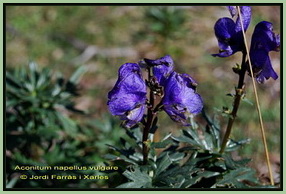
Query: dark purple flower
[229,33]
[128,97]
[246,15]
[263,41]
[162,68]
[180,99]
[232,10]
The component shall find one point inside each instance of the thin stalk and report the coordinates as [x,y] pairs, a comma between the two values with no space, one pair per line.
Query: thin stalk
[262,130]
[237,98]
[150,118]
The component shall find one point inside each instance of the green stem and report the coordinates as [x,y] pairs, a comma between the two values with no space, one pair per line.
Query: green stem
[239,91]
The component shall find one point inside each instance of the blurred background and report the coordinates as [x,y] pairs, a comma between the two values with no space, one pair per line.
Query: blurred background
[76,52]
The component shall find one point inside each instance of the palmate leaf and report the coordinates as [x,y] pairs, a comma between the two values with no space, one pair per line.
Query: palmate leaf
[213,128]
[162,164]
[126,154]
[209,139]
[239,178]
[138,179]
[201,174]
[204,141]
[174,172]
[186,137]
[202,138]
[185,176]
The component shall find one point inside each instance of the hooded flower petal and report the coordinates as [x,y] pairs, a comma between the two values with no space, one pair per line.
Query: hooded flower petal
[127,98]
[232,10]
[263,41]
[225,33]
[246,16]
[162,68]
[229,33]
[128,71]
[180,98]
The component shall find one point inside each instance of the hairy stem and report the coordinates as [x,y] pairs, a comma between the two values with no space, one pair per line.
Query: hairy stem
[239,91]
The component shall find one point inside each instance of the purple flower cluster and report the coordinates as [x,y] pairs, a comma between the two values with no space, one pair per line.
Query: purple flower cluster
[128,97]
[230,41]
[180,97]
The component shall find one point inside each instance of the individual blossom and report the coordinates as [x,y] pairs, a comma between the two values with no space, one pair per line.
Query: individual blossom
[127,99]
[162,68]
[246,15]
[263,41]
[181,100]
[229,32]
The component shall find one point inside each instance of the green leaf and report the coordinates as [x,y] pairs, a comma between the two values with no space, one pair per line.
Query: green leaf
[191,137]
[32,74]
[194,125]
[208,141]
[12,182]
[179,182]
[234,145]
[243,162]
[55,156]
[78,74]
[68,124]
[162,144]
[213,128]
[246,100]
[111,157]
[229,162]
[22,159]
[138,179]
[198,177]
[238,178]
[163,164]
[176,156]
[44,79]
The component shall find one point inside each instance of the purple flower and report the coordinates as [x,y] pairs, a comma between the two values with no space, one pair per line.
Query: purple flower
[263,41]
[162,68]
[180,99]
[229,33]
[246,15]
[128,97]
